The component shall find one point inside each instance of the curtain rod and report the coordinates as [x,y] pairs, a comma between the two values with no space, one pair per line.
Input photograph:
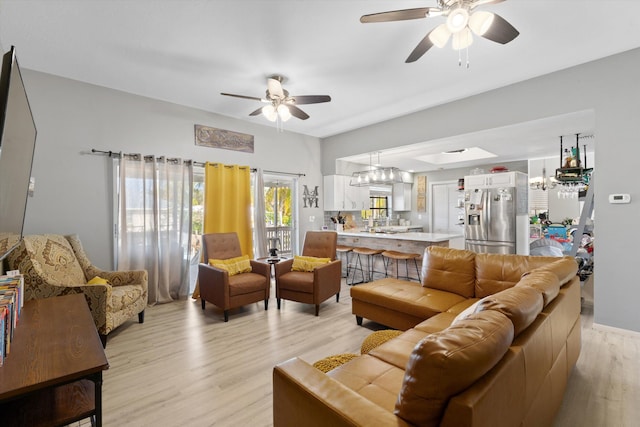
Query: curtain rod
[120,154]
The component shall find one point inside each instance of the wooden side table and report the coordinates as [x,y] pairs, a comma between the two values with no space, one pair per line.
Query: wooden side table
[53,375]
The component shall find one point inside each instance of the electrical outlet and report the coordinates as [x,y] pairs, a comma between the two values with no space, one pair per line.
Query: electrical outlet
[312,218]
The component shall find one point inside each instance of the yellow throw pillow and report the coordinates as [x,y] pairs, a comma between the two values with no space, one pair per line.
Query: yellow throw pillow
[234,266]
[98,281]
[308,263]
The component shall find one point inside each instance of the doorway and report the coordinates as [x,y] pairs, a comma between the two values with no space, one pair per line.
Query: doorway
[280,213]
[446,211]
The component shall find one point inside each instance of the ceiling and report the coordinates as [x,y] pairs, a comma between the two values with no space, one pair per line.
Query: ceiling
[188,51]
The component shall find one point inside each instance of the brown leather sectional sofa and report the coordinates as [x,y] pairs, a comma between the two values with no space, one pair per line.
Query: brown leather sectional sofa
[490,340]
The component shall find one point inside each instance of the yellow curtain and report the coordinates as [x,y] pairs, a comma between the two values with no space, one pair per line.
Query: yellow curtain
[227,204]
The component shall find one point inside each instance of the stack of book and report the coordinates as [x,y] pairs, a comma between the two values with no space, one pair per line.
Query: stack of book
[11,301]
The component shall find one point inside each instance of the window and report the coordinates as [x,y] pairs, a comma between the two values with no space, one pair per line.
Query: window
[378,208]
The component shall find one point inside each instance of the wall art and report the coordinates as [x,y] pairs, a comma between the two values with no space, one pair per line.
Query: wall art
[310,198]
[220,138]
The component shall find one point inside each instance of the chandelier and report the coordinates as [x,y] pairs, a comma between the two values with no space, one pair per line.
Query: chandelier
[543,182]
[379,175]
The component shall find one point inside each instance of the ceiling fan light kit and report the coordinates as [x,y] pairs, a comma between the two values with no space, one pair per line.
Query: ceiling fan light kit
[457,20]
[462,39]
[462,21]
[440,36]
[280,105]
[480,22]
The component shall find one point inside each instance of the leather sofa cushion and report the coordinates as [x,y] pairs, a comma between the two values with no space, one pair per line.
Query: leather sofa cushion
[246,283]
[459,308]
[405,297]
[495,273]
[546,282]
[445,363]
[520,304]
[451,270]
[436,323]
[372,378]
[300,281]
[397,350]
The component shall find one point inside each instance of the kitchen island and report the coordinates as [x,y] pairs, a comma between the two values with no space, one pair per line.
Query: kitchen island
[411,242]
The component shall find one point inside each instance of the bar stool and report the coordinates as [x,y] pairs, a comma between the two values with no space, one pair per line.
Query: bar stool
[342,249]
[370,254]
[387,256]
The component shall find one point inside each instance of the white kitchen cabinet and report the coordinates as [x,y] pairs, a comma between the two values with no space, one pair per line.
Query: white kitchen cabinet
[339,195]
[492,180]
[401,197]
[357,198]
[333,191]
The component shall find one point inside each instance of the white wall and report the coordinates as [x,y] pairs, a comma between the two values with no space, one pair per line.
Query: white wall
[73,191]
[610,88]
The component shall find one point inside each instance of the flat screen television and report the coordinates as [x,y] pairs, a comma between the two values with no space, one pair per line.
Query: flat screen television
[17,145]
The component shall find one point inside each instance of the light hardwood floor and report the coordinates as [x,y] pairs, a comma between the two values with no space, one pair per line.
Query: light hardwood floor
[186,367]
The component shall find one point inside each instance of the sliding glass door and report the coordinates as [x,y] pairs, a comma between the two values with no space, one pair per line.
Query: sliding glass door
[280,213]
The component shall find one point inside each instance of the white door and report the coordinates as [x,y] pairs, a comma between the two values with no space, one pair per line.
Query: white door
[445,211]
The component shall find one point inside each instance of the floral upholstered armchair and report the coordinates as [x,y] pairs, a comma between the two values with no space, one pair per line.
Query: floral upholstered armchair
[55,265]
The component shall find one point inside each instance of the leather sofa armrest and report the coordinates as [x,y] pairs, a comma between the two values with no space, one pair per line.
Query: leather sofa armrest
[332,269]
[210,272]
[283,267]
[328,276]
[214,284]
[261,268]
[303,395]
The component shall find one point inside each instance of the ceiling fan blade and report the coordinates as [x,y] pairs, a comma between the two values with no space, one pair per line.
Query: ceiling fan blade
[274,87]
[398,15]
[241,96]
[308,99]
[422,48]
[296,112]
[501,31]
[256,112]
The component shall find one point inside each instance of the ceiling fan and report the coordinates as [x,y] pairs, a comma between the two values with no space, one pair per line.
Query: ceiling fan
[462,22]
[279,103]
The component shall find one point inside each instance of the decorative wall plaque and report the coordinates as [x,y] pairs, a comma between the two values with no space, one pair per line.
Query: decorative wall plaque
[220,138]
[310,198]
[421,201]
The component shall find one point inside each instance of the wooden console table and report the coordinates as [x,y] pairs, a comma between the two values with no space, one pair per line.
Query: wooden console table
[53,375]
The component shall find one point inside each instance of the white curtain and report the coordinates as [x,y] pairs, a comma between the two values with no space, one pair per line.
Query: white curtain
[154,223]
[259,223]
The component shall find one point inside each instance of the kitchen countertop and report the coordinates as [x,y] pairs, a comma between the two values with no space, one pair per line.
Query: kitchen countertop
[410,235]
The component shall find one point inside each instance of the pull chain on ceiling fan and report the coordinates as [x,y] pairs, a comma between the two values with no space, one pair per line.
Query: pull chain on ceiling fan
[462,22]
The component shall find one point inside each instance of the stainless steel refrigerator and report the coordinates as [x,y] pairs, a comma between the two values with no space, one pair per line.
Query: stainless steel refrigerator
[496,219]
